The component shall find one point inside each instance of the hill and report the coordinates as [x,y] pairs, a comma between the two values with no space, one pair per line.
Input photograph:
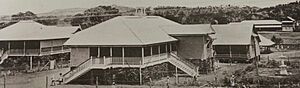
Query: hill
[63,12]
[123,8]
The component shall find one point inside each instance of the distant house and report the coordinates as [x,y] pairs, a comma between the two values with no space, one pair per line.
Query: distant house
[289,24]
[137,42]
[265,25]
[29,38]
[236,42]
[288,40]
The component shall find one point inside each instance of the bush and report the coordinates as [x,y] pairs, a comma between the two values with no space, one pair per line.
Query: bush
[273,64]
[250,68]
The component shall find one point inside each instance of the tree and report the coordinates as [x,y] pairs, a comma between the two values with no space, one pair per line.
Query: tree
[24,16]
[276,40]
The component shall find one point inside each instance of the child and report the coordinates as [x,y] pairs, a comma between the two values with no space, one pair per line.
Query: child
[60,79]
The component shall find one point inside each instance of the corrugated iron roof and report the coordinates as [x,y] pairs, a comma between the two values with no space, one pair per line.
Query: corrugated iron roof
[197,29]
[265,41]
[124,30]
[31,30]
[261,21]
[233,34]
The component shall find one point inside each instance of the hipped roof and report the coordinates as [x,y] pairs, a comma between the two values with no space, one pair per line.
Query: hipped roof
[265,41]
[31,30]
[125,30]
[262,22]
[233,34]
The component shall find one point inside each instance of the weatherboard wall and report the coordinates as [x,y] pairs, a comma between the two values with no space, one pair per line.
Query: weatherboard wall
[79,55]
[192,47]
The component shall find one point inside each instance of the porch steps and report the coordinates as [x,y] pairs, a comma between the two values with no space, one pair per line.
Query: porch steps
[88,65]
[4,55]
[184,65]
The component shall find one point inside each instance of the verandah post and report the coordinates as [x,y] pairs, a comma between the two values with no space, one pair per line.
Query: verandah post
[140,71]
[176,75]
[30,63]
[230,54]
[158,50]
[111,54]
[123,56]
[104,62]
[98,56]
[170,47]
[24,51]
[143,57]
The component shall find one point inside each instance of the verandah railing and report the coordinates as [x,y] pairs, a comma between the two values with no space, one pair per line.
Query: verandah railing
[105,61]
[16,51]
[232,56]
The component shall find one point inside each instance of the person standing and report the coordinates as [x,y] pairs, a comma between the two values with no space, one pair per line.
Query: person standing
[60,79]
[168,82]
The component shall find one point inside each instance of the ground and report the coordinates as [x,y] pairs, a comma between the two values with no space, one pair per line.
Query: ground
[38,79]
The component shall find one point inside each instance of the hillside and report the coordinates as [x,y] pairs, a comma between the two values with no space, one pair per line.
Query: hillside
[63,12]
[228,13]
[123,8]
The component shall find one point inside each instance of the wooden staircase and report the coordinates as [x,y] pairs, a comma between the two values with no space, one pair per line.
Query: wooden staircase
[89,64]
[184,65]
[3,56]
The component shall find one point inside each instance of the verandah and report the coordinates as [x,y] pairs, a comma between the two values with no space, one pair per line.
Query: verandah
[126,55]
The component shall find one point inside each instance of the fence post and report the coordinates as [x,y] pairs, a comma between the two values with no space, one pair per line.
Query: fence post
[176,74]
[46,81]
[4,81]
[140,70]
[97,82]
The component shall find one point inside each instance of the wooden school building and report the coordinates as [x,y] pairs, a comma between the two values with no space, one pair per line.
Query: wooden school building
[236,42]
[31,39]
[138,42]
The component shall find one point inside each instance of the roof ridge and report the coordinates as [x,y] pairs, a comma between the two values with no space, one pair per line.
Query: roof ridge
[132,31]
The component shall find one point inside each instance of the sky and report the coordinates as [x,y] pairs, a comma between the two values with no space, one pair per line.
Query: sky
[8,7]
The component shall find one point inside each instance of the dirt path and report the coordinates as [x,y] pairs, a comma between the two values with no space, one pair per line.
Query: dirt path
[38,79]
[32,80]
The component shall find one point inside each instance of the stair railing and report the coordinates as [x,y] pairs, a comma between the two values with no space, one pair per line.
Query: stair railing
[186,63]
[80,67]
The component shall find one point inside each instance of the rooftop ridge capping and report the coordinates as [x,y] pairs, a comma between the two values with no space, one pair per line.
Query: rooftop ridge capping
[132,31]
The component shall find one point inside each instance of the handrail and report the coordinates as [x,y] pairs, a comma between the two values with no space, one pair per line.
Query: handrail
[77,66]
[4,55]
[187,69]
[187,63]
[184,61]
[127,63]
